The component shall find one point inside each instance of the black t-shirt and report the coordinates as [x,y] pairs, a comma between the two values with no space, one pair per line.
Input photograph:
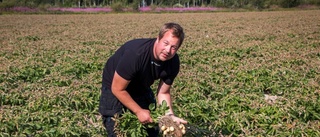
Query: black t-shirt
[135,61]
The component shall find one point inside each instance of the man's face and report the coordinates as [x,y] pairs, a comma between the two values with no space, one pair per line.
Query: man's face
[167,47]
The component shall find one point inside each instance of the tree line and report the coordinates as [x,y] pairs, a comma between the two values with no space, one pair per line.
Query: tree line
[260,4]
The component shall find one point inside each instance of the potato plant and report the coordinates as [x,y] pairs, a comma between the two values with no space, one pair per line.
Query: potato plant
[128,124]
[51,66]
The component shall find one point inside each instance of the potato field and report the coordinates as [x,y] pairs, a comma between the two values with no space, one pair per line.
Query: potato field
[241,74]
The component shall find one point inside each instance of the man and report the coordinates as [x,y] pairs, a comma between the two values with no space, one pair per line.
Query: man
[129,73]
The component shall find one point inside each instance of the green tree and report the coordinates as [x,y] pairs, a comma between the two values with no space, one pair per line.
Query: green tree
[258,4]
[7,4]
[289,3]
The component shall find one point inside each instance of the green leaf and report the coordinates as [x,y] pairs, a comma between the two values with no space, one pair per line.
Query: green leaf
[164,103]
[152,106]
[133,134]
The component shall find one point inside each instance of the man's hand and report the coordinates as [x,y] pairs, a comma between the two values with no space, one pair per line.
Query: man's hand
[144,116]
[178,120]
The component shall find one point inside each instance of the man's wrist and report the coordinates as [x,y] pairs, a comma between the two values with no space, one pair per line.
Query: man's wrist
[137,110]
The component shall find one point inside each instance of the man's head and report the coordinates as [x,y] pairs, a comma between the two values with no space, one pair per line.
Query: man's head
[177,31]
[168,42]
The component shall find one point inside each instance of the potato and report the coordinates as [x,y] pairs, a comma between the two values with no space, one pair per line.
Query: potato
[181,126]
[171,128]
[163,128]
[183,131]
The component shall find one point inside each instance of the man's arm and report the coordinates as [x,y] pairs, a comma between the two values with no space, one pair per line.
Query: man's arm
[163,93]
[118,88]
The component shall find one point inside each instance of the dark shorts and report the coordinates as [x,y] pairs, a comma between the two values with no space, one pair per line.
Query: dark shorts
[109,106]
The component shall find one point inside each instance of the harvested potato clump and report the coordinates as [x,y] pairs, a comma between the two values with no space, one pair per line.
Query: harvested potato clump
[170,128]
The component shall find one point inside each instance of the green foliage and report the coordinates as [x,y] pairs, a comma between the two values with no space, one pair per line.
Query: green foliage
[289,3]
[178,5]
[135,5]
[7,4]
[80,69]
[29,73]
[53,117]
[258,4]
[129,125]
[117,7]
